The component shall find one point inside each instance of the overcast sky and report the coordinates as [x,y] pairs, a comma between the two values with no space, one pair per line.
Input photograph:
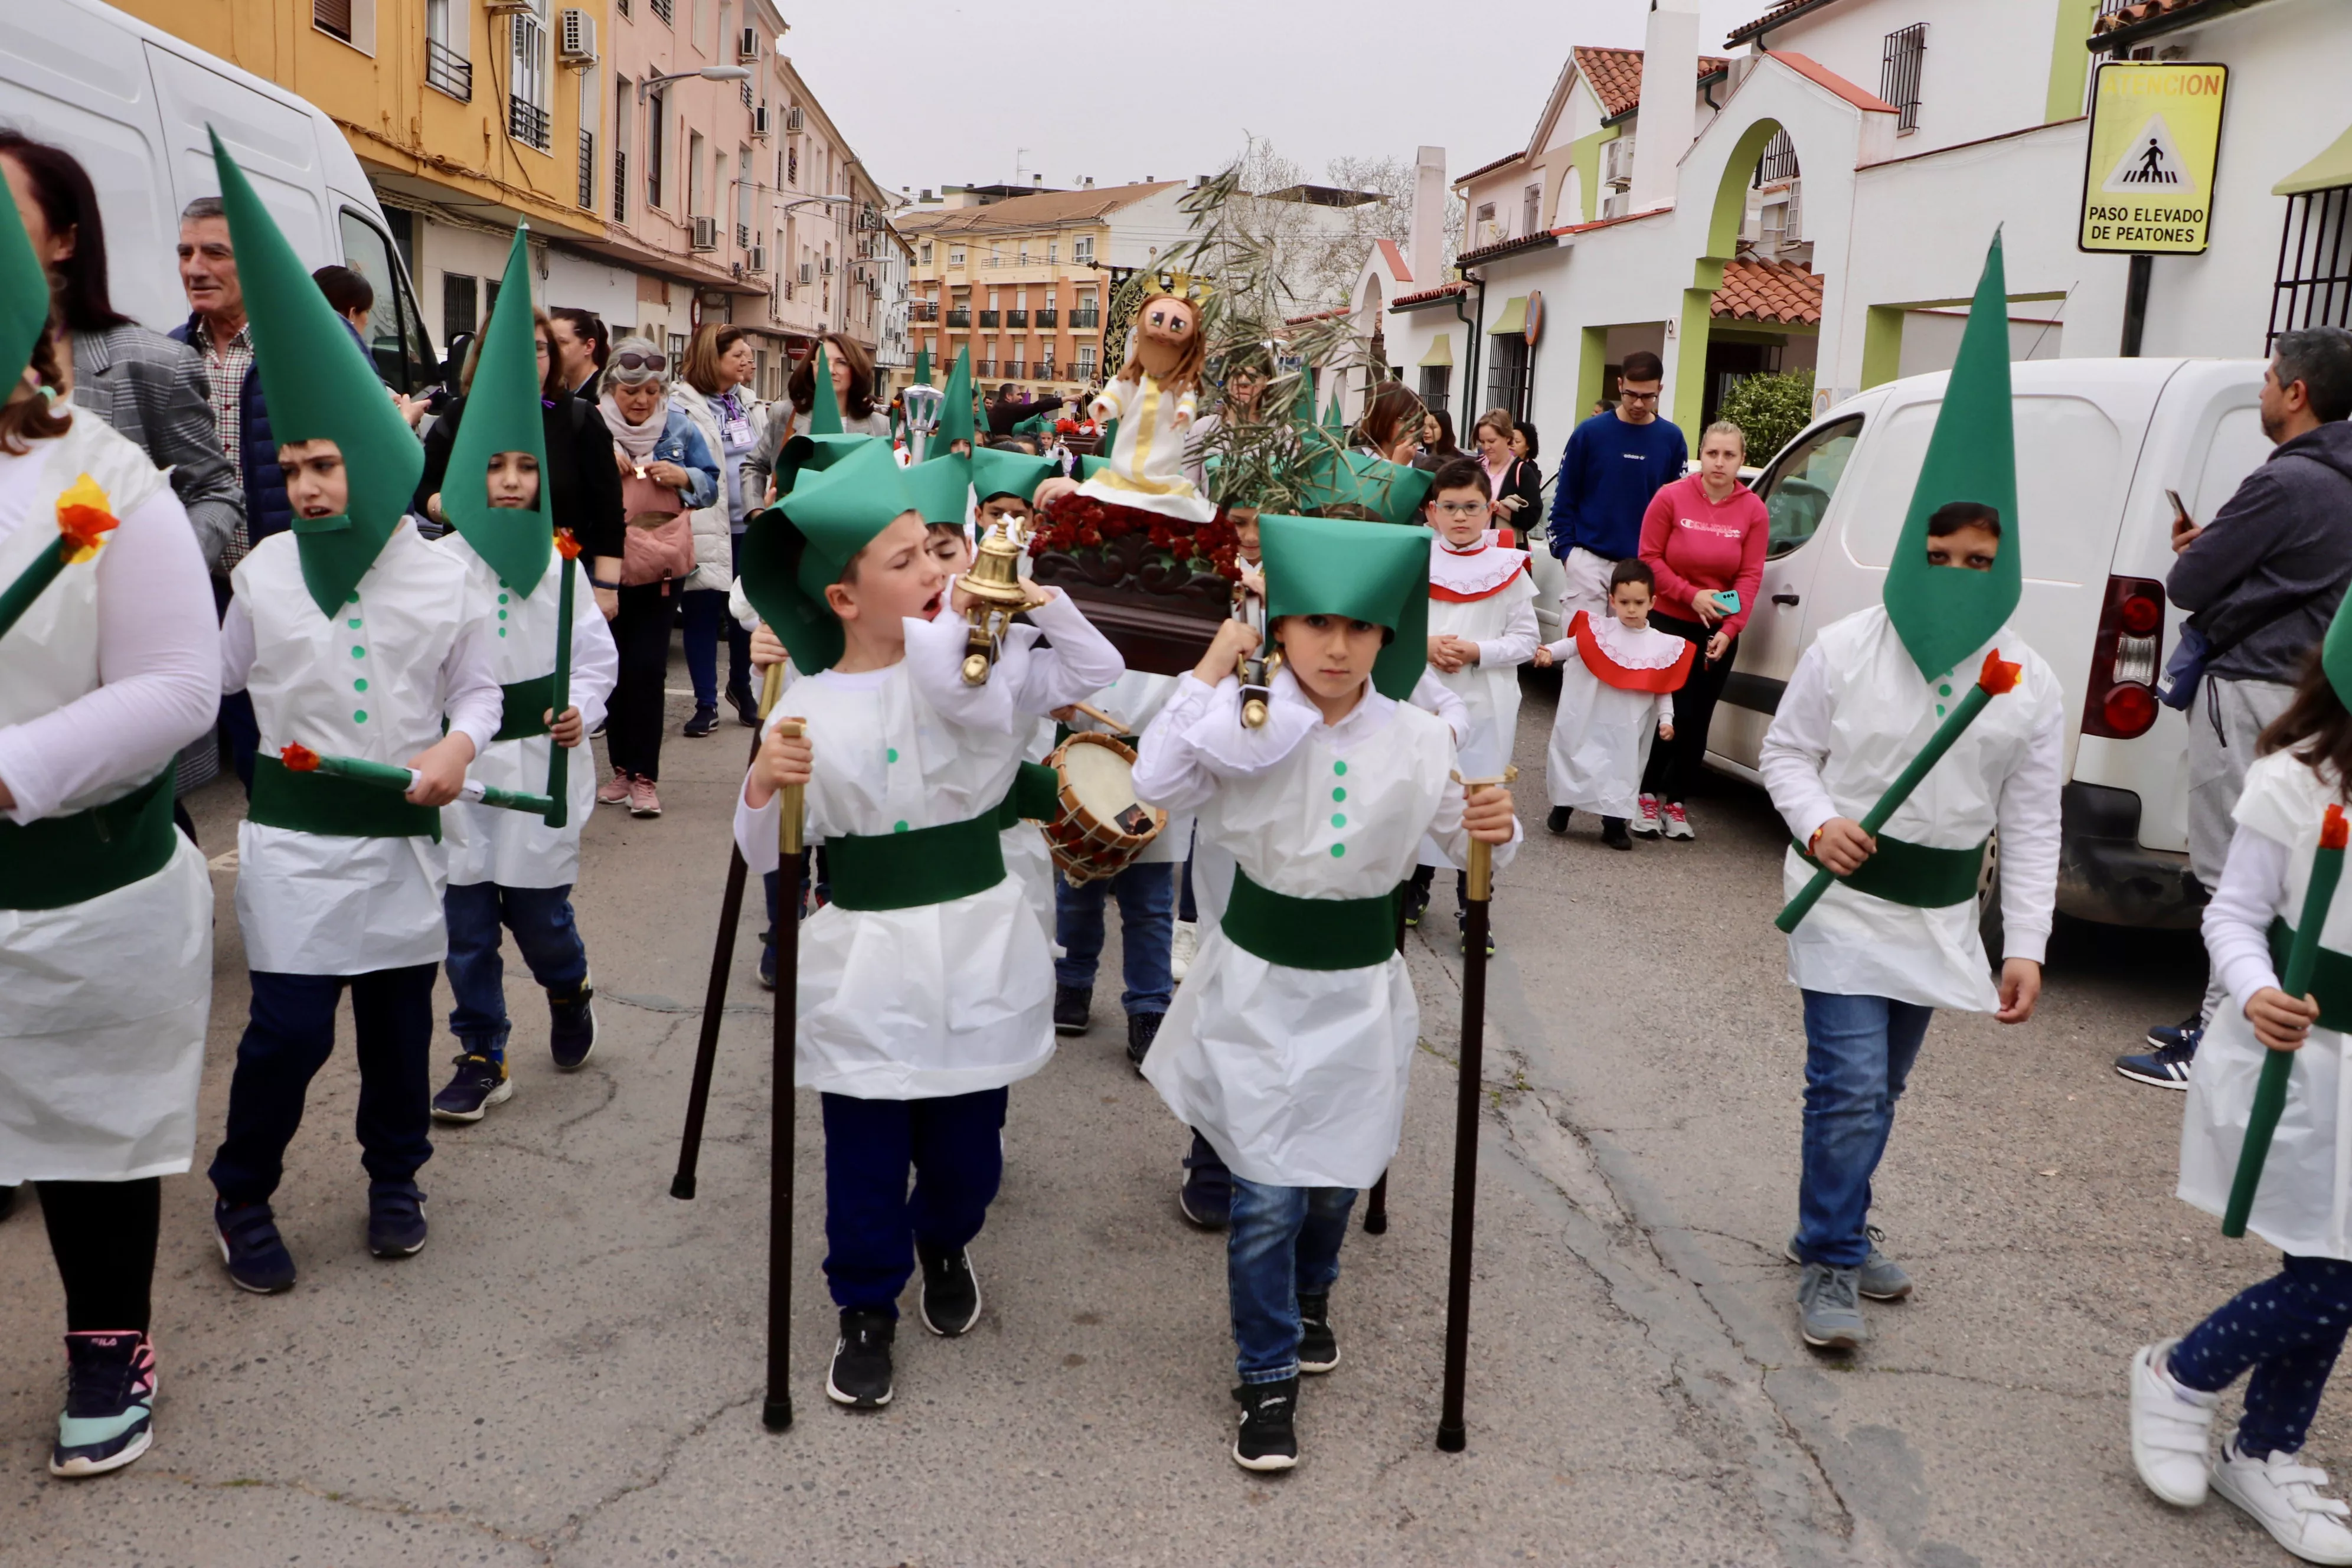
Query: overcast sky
[935,92]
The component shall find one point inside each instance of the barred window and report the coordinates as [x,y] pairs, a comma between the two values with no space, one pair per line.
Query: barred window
[1898,74]
[2314,270]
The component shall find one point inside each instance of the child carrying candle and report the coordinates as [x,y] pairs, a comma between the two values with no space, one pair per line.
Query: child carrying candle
[1617,678]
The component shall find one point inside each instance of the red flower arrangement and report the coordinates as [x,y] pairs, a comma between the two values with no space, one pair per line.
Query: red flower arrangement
[1073,522]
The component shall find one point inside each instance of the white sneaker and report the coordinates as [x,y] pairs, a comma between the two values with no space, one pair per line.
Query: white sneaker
[1645,817]
[2171,1429]
[1183,949]
[1676,820]
[2283,1496]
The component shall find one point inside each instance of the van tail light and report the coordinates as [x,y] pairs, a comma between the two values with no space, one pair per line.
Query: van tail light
[2125,659]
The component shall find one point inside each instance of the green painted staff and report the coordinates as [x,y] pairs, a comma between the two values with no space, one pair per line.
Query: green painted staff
[301,759]
[83,522]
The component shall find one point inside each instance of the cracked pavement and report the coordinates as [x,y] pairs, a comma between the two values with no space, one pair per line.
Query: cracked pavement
[571,1372]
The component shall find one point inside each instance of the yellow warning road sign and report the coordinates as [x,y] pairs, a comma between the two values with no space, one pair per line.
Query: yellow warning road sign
[2155,132]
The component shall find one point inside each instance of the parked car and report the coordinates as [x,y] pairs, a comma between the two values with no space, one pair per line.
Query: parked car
[134,104]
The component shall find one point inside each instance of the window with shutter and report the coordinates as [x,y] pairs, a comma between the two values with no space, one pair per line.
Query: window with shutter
[332,16]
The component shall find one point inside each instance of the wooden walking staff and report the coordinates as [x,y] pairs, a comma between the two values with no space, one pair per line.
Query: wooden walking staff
[2269,1091]
[1451,1434]
[777,1413]
[722,958]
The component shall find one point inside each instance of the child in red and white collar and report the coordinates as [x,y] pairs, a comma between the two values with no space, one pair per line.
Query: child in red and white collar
[1482,627]
[1618,678]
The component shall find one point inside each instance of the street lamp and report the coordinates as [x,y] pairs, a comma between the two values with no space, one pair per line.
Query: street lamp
[707,73]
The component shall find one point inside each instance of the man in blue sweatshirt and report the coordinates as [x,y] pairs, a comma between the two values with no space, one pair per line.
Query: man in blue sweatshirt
[1616,462]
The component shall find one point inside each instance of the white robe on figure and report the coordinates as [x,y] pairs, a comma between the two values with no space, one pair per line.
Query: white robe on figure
[1483,594]
[1602,731]
[1146,462]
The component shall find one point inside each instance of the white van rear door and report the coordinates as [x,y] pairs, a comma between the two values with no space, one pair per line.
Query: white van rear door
[274,143]
[74,78]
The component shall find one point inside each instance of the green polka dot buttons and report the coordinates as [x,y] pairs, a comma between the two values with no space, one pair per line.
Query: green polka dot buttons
[897,828]
[360,685]
[359,715]
[1339,794]
[890,754]
[1339,768]
[358,652]
[1339,819]
[1338,851]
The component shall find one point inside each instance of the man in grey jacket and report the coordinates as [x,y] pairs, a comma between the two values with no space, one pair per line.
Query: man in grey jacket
[2262,582]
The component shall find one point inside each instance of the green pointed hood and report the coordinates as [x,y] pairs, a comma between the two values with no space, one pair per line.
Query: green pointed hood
[942,487]
[955,408]
[1944,614]
[825,409]
[24,296]
[922,367]
[804,453]
[503,414]
[828,519]
[1333,420]
[319,386]
[998,471]
[1391,491]
[1302,407]
[2335,652]
[1365,570]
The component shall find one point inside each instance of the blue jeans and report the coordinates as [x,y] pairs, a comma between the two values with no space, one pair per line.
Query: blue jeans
[705,610]
[1147,898]
[540,919]
[1858,1054]
[955,1147]
[2288,1329]
[289,1035]
[1285,1241]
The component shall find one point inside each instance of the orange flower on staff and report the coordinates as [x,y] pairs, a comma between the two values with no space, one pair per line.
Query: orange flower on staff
[2334,831]
[84,517]
[566,544]
[298,758]
[1999,676]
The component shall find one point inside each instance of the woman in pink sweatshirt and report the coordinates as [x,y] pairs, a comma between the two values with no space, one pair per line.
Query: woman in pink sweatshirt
[1704,534]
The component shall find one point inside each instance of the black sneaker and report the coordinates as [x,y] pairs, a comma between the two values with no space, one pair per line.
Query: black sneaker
[109,1400]
[1071,1005]
[7,1200]
[2186,1032]
[1318,1347]
[860,1375]
[478,1084]
[571,1026]
[2166,1067]
[1206,1198]
[1269,1438]
[767,960]
[746,706]
[1416,902]
[705,722]
[395,1219]
[1490,941]
[1556,820]
[249,1243]
[950,1299]
[1142,1029]
[1614,834]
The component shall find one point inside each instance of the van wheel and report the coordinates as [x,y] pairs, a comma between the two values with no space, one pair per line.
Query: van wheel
[1989,927]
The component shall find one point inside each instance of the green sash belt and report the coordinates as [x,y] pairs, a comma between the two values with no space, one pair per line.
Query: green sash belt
[927,865]
[334,807]
[62,861]
[1035,796]
[525,701]
[2331,977]
[1913,874]
[1310,933]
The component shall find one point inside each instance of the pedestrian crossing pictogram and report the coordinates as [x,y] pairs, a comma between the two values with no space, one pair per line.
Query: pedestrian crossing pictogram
[2151,162]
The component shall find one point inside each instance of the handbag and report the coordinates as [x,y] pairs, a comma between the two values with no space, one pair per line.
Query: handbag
[2177,687]
[658,543]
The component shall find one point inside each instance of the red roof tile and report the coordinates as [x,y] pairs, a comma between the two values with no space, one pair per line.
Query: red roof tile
[1778,13]
[1616,74]
[1443,290]
[1755,289]
[1814,70]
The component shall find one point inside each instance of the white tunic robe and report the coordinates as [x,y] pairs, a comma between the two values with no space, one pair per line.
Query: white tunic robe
[512,848]
[1483,594]
[1601,734]
[1856,712]
[1298,1076]
[2304,1205]
[939,999]
[104,1003]
[375,681]
[1146,463]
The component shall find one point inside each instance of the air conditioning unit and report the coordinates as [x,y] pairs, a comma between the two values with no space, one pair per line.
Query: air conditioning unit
[706,234]
[576,42]
[1617,163]
[759,123]
[808,273]
[747,46]
[759,262]
[792,120]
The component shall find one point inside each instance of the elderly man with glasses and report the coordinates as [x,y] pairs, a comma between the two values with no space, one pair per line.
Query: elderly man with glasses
[1616,462]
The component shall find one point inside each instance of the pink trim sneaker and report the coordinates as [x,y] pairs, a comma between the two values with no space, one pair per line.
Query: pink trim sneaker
[1677,821]
[1645,816]
[643,801]
[614,790]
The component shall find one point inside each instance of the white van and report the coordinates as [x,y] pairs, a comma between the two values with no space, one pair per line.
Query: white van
[2099,442]
[133,103]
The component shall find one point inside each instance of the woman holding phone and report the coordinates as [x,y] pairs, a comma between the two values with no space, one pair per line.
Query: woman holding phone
[1704,539]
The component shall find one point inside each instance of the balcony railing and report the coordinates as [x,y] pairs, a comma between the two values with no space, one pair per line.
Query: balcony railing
[662,9]
[923,311]
[588,169]
[1084,318]
[985,368]
[743,237]
[527,123]
[988,318]
[620,186]
[447,70]
[960,318]
[1047,319]
[1017,317]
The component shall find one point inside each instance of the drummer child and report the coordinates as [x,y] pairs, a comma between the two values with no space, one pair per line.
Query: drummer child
[925,988]
[356,637]
[1617,678]
[1289,1044]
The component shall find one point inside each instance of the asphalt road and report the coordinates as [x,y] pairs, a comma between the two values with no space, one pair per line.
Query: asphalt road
[571,1372]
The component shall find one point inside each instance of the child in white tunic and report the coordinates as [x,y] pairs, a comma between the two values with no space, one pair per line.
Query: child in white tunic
[1289,1045]
[106,911]
[924,987]
[355,639]
[2288,1330]
[1617,678]
[1482,627]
